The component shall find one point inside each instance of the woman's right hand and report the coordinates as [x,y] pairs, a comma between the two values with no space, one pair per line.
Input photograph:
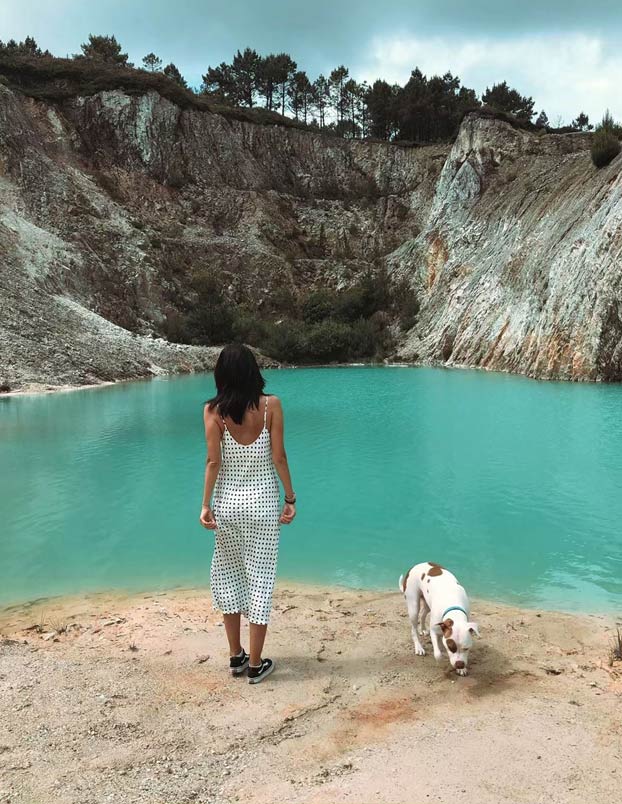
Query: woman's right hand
[207,518]
[287,514]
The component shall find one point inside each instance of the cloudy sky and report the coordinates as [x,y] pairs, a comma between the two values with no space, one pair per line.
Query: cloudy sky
[564,53]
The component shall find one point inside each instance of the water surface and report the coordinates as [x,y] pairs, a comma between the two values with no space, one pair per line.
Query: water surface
[514,484]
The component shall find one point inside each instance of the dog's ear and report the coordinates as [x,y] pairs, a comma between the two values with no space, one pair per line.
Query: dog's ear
[473,628]
[446,626]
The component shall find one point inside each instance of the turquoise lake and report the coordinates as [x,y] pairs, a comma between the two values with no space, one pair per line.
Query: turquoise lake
[516,485]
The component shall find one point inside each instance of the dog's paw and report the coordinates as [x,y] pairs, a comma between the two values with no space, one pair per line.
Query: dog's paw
[423,632]
[419,650]
[438,656]
[462,672]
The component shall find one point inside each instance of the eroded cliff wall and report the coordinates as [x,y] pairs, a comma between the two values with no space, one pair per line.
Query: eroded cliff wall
[109,203]
[519,266]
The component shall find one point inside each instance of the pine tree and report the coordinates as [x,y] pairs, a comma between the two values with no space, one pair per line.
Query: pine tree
[171,71]
[299,94]
[219,81]
[352,95]
[267,79]
[104,49]
[28,47]
[152,62]
[285,70]
[542,121]
[244,72]
[382,109]
[320,95]
[504,99]
[337,81]
[582,122]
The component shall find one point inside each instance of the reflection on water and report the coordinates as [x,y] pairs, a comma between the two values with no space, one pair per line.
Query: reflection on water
[513,484]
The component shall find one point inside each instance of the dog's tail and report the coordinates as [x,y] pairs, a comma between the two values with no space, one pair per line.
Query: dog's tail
[402,582]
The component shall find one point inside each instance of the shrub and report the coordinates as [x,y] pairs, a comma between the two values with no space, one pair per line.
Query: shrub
[365,298]
[285,341]
[405,303]
[605,147]
[211,318]
[176,328]
[364,339]
[328,340]
[249,328]
[318,305]
[283,300]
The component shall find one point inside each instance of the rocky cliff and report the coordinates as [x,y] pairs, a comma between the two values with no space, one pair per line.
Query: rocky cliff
[109,203]
[519,265]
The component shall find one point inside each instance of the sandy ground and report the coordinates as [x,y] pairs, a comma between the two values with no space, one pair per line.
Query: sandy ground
[128,699]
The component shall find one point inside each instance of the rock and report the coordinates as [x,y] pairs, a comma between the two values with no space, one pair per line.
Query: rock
[265,206]
[517,267]
[509,238]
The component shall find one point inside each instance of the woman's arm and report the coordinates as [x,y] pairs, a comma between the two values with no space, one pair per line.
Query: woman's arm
[213,435]
[279,458]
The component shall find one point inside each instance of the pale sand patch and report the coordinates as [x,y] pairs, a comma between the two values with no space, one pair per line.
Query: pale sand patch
[350,715]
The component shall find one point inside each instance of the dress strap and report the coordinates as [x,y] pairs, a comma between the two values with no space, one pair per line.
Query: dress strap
[265,413]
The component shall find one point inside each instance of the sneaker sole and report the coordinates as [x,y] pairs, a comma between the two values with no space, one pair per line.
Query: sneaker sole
[237,671]
[260,678]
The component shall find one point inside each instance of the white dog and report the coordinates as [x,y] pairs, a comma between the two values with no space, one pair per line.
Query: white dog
[431,588]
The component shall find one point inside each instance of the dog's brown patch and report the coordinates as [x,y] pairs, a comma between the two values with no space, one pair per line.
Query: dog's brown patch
[435,569]
[405,581]
[446,627]
[451,645]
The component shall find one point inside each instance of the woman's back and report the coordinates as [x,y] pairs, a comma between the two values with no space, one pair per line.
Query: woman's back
[247,470]
[253,423]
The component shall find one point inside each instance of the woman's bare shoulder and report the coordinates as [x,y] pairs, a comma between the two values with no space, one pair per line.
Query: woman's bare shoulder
[210,412]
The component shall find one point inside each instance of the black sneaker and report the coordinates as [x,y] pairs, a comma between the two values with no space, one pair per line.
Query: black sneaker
[257,674]
[239,663]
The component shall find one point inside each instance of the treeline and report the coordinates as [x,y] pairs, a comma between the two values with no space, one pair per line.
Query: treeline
[425,109]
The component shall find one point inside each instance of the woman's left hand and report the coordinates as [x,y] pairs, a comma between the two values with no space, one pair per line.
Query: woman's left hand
[207,518]
[287,514]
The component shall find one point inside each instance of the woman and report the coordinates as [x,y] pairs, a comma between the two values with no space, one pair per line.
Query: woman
[245,453]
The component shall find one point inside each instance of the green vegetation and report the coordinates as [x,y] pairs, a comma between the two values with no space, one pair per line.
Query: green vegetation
[103,49]
[41,75]
[266,89]
[606,141]
[502,98]
[321,327]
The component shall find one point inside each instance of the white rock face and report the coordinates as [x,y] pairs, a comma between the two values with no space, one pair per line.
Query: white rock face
[519,266]
[110,203]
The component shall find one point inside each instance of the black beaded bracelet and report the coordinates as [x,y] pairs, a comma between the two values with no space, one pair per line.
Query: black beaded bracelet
[290,502]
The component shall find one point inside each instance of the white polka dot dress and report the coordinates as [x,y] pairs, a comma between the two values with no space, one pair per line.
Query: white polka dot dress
[246,508]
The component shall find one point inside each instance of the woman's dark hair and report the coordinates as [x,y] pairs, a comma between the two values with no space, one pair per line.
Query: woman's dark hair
[239,383]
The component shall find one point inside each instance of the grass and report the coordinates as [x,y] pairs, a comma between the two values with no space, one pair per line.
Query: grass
[615,652]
